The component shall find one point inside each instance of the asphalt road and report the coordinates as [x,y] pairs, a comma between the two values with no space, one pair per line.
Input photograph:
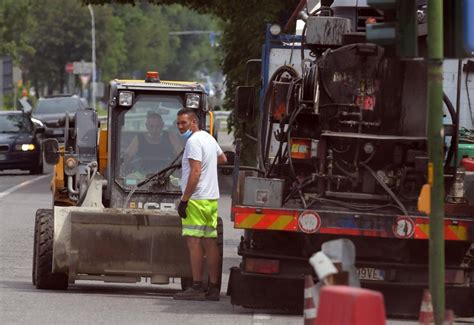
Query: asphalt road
[96,302]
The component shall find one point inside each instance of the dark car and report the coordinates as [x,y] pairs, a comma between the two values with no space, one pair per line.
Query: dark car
[20,147]
[50,110]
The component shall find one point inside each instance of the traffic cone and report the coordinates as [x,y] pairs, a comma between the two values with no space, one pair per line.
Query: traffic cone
[426,309]
[309,308]
[448,317]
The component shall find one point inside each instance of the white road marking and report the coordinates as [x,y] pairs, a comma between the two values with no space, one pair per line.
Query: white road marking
[18,186]
[261,317]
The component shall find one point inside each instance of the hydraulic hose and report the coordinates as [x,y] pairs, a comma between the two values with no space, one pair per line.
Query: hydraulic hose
[452,113]
[386,188]
[265,130]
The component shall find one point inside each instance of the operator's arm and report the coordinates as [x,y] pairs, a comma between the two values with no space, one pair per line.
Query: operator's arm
[175,143]
[194,174]
[132,149]
[221,159]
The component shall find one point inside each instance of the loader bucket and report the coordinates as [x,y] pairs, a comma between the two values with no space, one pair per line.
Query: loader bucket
[128,243]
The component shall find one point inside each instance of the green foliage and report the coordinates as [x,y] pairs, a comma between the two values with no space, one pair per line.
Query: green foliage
[60,35]
[15,20]
[133,36]
[110,43]
[43,36]
[244,26]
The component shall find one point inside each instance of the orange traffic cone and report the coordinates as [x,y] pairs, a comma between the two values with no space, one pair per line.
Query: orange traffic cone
[448,317]
[309,308]
[426,309]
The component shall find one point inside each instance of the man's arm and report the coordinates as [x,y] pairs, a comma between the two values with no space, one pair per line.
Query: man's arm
[132,149]
[221,159]
[194,174]
[175,142]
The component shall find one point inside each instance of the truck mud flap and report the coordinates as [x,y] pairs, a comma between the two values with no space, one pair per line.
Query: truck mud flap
[265,291]
[133,243]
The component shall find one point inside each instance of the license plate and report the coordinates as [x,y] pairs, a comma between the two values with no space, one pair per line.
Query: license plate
[58,131]
[3,157]
[369,273]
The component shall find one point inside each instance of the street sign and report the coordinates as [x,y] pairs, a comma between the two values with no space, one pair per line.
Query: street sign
[69,67]
[82,67]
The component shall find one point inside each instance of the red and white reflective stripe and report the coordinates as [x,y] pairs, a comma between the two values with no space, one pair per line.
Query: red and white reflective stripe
[453,229]
[310,221]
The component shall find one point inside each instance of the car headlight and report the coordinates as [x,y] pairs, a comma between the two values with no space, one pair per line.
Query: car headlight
[126,98]
[192,100]
[25,147]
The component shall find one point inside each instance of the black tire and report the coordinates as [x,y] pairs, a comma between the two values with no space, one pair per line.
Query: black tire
[35,240]
[187,282]
[44,278]
[38,169]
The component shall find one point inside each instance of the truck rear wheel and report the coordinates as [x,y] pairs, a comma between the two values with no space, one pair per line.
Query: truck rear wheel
[43,277]
[187,282]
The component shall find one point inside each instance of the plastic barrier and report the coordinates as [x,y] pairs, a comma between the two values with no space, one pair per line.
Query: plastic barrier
[343,305]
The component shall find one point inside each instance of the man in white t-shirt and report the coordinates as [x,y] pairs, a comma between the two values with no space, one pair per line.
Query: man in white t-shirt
[198,206]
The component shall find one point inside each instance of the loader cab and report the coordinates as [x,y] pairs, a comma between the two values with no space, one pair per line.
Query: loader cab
[143,140]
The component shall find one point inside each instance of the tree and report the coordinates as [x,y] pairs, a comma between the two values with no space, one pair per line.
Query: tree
[15,21]
[244,26]
[192,51]
[129,40]
[61,35]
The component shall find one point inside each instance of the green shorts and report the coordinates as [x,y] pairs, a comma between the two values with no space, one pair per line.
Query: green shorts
[201,220]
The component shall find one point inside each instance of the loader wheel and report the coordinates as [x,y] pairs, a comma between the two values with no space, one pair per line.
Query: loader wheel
[39,168]
[187,282]
[43,254]
[35,236]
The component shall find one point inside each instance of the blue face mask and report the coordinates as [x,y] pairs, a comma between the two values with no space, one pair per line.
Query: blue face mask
[186,135]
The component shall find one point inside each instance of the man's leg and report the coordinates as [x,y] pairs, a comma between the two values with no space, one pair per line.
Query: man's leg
[196,256]
[213,258]
[192,231]
[212,251]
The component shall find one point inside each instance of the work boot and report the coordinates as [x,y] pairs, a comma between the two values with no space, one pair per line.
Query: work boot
[194,292]
[213,293]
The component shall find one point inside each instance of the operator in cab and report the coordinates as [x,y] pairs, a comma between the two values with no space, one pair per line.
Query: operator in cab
[153,145]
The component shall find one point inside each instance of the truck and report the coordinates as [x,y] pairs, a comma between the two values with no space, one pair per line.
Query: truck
[342,153]
[113,217]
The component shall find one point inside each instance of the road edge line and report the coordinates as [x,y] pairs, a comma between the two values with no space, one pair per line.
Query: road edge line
[18,186]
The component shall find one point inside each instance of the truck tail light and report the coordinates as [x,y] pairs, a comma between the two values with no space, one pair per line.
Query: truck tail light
[261,265]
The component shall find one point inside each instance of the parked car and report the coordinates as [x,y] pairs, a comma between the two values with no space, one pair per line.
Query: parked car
[20,146]
[50,110]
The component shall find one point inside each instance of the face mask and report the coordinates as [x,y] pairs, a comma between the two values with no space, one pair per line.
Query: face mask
[186,135]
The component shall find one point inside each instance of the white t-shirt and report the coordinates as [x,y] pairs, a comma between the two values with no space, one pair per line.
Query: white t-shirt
[201,146]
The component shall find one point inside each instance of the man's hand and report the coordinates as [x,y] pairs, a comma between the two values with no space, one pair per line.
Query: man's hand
[182,209]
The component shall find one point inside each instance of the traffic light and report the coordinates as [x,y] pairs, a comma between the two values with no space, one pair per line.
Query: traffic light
[399,29]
